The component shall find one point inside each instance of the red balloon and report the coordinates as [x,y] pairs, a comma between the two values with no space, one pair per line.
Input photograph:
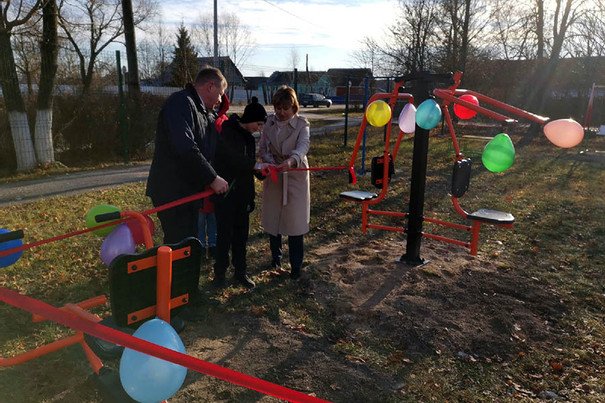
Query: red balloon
[137,231]
[462,111]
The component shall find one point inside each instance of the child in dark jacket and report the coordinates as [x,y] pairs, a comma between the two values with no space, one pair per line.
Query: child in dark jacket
[235,161]
[206,220]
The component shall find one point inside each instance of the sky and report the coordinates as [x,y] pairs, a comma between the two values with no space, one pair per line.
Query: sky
[328,31]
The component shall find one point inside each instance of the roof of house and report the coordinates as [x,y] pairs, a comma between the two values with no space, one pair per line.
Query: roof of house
[287,77]
[226,65]
[253,82]
[341,77]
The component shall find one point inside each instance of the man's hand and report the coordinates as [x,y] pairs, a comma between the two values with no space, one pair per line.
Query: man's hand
[219,185]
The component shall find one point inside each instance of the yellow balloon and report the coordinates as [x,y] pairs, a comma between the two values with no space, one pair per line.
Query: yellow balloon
[378,113]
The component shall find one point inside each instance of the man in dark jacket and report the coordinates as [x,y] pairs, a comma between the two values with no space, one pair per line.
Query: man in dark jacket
[184,145]
[236,162]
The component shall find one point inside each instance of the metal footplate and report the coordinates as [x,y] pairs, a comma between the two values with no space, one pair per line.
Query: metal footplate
[358,195]
[492,216]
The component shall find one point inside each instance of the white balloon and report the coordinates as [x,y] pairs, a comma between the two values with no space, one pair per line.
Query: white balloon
[407,118]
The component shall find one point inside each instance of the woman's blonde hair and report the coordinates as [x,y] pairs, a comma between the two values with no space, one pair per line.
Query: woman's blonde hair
[284,97]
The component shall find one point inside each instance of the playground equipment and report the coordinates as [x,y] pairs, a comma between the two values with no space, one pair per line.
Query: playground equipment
[157,282]
[589,108]
[424,88]
[141,286]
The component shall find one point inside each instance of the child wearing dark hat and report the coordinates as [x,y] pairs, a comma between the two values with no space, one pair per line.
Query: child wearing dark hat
[235,161]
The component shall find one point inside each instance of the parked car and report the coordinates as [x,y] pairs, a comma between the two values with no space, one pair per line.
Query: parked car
[314,99]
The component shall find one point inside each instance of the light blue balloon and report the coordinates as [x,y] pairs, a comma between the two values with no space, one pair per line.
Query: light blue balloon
[428,114]
[13,257]
[148,379]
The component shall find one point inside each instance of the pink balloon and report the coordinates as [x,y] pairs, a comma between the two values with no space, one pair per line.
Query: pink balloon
[564,133]
[118,242]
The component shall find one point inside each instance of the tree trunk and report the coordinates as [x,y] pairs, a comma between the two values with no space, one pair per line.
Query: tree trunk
[24,147]
[136,136]
[465,36]
[545,70]
[540,29]
[134,86]
[43,137]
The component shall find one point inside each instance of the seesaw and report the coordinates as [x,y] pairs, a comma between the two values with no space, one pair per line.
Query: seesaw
[154,283]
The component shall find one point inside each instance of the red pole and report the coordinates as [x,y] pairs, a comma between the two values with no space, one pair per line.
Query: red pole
[164,282]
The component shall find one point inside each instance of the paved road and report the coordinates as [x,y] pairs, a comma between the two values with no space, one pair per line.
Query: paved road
[71,183]
[78,182]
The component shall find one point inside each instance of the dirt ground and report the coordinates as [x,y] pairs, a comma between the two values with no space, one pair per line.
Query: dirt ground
[471,308]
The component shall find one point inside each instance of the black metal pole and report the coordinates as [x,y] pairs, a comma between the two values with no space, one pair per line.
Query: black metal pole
[122,127]
[418,182]
[347,110]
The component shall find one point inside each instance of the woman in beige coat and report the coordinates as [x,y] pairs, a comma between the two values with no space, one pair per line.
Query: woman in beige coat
[286,207]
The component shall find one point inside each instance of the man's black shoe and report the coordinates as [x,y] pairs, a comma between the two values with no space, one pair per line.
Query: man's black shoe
[212,252]
[295,274]
[245,281]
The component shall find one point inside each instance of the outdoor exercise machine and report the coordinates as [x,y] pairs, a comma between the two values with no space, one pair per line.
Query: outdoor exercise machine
[156,282]
[444,87]
[594,90]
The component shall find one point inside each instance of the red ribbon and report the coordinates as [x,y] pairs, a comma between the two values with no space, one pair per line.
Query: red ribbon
[73,321]
[272,170]
[166,206]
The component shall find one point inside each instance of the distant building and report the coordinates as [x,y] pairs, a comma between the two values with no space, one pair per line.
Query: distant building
[234,77]
[225,65]
[332,83]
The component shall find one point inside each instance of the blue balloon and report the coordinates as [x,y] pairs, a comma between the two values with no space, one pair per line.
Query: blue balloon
[149,379]
[13,257]
[428,114]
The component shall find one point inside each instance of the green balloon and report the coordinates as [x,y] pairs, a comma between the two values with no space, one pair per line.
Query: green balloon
[95,211]
[499,154]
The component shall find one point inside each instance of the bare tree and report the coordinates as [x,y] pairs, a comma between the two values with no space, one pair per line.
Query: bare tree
[511,33]
[91,25]
[13,16]
[49,50]
[564,15]
[235,38]
[294,58]
[367,55]
[26,45]
[153,50]
[408,44]
[587,36]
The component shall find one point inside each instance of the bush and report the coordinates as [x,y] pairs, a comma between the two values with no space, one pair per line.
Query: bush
[92,134]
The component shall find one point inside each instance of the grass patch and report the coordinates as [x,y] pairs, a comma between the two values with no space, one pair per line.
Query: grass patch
[556,195]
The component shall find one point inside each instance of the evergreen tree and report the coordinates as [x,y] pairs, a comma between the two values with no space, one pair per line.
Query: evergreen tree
[184,64]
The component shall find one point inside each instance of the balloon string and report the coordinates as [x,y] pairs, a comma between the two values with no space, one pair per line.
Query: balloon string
[97,330]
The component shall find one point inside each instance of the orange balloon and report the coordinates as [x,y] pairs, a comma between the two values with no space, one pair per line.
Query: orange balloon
[564,133]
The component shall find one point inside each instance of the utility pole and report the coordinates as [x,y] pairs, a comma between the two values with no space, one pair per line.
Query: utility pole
[215,34]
